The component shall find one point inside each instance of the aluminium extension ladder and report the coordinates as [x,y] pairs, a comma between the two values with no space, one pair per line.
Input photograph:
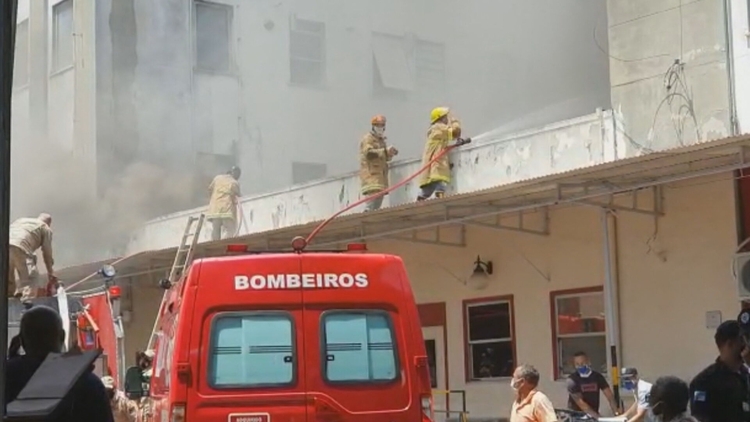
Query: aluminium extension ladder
[182,259]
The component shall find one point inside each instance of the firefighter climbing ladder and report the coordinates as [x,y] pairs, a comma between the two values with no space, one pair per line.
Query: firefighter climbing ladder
[182,259]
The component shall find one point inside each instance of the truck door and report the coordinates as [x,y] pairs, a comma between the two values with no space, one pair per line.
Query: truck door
[358,370]
[251,345]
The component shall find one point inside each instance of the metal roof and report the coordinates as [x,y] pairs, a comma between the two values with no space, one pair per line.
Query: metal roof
[531,195]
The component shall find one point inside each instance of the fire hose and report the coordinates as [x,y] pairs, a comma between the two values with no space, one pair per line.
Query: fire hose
[446,150]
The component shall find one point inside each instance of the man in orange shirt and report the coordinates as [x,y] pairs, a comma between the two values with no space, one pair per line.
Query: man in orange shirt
[530,405]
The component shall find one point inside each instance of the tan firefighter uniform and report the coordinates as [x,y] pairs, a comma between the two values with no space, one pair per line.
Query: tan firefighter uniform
[438,137]
[373,163]
[26,236]
[123,409]
[222,207]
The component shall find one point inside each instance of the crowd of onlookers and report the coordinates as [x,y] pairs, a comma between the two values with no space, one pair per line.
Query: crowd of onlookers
[719,393]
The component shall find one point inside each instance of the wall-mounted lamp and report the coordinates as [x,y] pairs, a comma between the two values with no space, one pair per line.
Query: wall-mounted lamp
[479,278]
[482,268]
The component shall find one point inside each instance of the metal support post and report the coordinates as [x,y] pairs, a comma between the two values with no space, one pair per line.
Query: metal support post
[611,311]
[8,10]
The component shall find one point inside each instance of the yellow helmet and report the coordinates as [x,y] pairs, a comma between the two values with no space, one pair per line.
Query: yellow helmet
[438,113]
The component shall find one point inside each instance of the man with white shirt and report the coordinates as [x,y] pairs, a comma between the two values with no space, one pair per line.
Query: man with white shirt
[639,411]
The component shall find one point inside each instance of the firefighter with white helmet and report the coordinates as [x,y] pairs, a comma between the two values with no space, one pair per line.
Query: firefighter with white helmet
[443,129]
[374,156]
[123,409]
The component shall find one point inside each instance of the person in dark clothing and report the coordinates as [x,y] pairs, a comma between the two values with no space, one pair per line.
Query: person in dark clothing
[668,400]
[584,386]
[720,392]
[41,333]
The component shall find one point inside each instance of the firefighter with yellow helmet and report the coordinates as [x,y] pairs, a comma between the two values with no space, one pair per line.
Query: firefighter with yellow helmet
[374,156]
[443,129]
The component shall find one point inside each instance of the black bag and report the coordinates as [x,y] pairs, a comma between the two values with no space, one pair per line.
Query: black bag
[53,381]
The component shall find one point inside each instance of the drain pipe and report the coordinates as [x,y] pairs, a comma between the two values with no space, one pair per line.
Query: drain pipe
[731,85]
[611,300]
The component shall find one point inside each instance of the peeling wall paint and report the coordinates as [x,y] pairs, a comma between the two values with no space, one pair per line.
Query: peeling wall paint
[490,162]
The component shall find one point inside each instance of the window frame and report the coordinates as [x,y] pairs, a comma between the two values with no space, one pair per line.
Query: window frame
[231,64]
[426,85]
[323,61]
[554,296]
[212,337]
[491,300]
[17,85]
[55,67]
[323,338]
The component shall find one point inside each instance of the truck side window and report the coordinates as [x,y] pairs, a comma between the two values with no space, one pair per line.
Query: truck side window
[251,350]
[358,347]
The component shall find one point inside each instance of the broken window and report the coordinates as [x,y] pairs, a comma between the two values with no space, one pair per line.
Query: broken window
[21,59]
[213,34]
[392,74]
[307,52]
[62,36]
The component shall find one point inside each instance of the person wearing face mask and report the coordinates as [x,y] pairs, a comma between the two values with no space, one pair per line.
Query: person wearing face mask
[668,400]
[720,392]
[530,405]
[641,389]
[374,156]
[41,333]
[584,386]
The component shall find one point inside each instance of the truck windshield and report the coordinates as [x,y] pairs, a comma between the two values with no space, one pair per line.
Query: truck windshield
[358,347]
[251,350]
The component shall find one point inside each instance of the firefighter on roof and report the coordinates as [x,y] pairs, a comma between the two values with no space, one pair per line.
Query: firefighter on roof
[374,155]
[27,235]
[123,409]
[222,208]
[443,129]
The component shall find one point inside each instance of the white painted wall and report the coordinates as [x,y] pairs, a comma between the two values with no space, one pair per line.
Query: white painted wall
[495,67]
[492,161]
[663,302]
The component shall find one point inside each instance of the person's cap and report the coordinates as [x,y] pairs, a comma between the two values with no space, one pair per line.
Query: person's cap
[109,382]
[628,372]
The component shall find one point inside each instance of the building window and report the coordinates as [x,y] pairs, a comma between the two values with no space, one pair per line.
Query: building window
[21,59]
[307,172]
[490,350]
[358,347]
[392,74]
[62,36]
[429,63]
[252,350]
[578,324]
[213,35]
[307,52]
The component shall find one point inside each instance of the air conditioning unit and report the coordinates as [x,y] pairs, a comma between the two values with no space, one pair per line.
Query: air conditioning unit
[741,266]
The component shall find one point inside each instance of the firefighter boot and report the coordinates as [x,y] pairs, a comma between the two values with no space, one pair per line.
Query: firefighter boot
[420,198]
[439,195]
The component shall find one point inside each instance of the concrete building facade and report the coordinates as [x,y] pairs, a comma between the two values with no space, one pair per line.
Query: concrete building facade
[614,228]
[196,86]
